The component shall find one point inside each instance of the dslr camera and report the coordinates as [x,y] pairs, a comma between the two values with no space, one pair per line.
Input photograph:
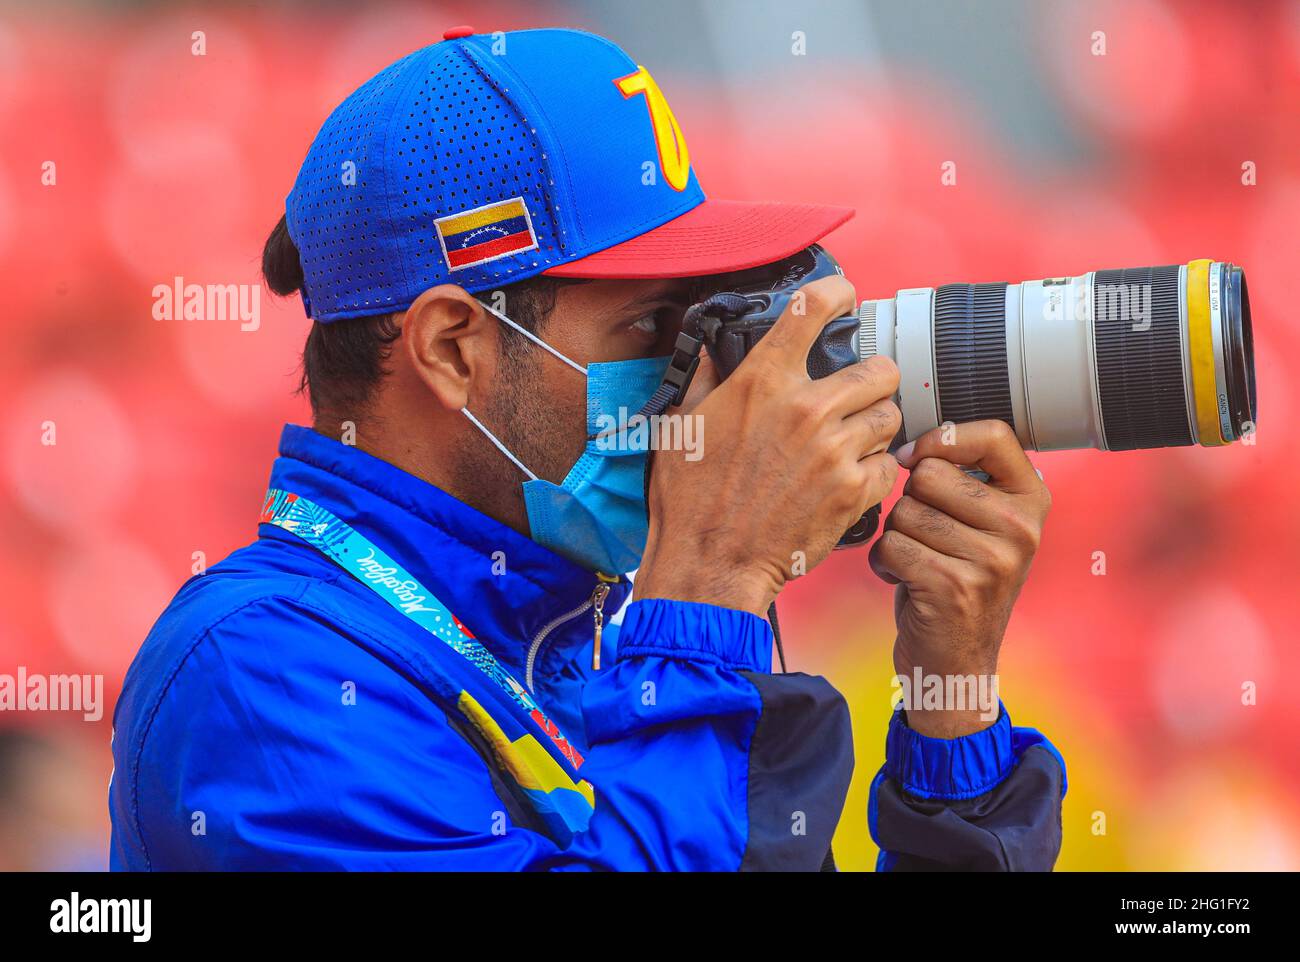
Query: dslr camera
[1136,357]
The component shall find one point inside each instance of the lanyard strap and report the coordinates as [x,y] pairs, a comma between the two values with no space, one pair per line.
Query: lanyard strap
[357,555]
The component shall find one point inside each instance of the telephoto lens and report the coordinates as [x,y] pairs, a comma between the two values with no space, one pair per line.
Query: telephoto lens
[1139,357]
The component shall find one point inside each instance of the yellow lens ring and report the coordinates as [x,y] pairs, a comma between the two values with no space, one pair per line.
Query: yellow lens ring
[1200,349]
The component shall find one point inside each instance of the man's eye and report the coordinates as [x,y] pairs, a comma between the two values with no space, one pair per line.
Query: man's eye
[647,325]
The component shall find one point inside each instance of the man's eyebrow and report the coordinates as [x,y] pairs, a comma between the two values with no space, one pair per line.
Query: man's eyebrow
[678,294]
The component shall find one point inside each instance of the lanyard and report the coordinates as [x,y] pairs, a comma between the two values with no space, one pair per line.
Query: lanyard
[357,555]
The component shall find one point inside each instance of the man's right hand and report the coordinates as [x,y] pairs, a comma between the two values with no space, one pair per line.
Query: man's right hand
[787,465]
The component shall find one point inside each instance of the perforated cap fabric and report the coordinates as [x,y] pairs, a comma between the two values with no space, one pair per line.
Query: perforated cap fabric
[483,160]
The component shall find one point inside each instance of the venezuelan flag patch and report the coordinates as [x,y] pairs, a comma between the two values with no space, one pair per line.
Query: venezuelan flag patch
[486,233]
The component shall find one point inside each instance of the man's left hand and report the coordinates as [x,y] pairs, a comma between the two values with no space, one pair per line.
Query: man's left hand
[959,550]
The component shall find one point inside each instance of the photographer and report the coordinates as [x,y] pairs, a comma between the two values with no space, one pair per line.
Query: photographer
[414,666]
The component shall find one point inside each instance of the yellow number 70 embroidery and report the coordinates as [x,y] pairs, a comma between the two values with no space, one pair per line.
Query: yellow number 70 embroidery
[674,158]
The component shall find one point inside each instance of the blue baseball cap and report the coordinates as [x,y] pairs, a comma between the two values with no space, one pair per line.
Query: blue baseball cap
[486,159]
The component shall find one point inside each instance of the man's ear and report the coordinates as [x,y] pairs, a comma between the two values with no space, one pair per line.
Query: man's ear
[450,342]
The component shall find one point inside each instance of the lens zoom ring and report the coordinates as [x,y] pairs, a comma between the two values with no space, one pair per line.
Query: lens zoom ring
[867,330]
[970,353]
[1140,369]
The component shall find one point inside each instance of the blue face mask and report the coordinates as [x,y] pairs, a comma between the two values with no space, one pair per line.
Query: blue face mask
[596,516]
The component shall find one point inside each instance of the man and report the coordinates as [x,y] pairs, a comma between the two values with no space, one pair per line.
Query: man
[417,665]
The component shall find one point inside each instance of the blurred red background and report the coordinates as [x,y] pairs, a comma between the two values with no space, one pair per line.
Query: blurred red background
[172,164]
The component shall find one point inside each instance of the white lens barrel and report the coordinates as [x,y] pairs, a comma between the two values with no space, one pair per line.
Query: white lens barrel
[1016,369]
[1049,365]
[1058,387]
[914,354]
[1102,360]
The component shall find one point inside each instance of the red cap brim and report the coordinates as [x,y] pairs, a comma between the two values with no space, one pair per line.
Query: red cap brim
[715,237]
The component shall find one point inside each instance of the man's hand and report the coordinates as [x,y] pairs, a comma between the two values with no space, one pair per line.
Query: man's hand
[788,465]
[959,551]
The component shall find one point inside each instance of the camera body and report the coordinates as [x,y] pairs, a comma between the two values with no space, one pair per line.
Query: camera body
[755,299]
[767,292]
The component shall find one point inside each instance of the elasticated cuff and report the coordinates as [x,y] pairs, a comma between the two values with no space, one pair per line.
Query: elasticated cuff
[949,768]
[693,631]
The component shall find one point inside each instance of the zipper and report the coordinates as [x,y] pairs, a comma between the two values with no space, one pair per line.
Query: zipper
[596,601]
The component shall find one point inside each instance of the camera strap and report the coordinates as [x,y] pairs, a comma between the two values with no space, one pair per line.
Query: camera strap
[700,326]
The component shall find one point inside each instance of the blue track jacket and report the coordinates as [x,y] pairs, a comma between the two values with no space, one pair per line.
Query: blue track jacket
[283,715]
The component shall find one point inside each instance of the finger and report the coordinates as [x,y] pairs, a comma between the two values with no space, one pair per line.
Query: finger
[703,381]
[877,479]
[870,431]
[857,386]
[943,485]
[990,446]
[810,307]
[896,558]
[935,529]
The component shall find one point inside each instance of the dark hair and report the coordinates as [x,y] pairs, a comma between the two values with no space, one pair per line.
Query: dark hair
[343,361]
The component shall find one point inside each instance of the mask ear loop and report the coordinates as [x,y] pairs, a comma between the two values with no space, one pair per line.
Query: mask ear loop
[544,346]
[500,447]
[534,338]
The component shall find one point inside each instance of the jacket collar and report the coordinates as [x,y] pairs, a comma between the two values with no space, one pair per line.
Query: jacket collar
[503,586]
